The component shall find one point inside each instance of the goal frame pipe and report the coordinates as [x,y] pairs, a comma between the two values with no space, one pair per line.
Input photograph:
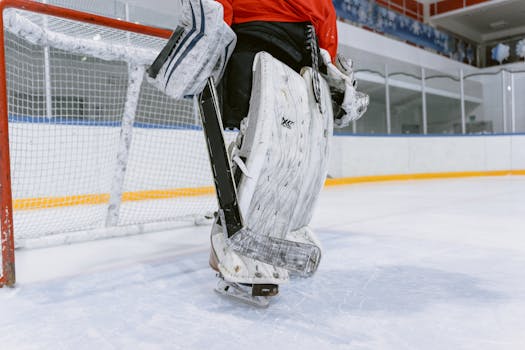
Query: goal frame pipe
[7,278]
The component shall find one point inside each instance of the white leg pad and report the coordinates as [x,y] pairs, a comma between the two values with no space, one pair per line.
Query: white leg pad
[285,143]
[286,149]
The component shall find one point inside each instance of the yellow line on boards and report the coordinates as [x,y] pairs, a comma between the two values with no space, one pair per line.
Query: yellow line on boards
[56,202]
[166,194]
[94,199]
[422,176]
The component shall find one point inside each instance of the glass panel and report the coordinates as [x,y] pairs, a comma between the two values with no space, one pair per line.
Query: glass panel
[369,72]
[406,103]
[115,9]
[374,120]
[443,93]
[485,114]
[153,17]
[519,92]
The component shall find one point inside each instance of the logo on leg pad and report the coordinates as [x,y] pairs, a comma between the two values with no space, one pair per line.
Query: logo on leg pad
[287,123]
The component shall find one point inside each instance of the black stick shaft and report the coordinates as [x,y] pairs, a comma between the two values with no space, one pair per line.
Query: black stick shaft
[220,162]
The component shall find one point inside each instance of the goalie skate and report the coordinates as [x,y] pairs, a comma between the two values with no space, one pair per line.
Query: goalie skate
[240,292]
[242,278]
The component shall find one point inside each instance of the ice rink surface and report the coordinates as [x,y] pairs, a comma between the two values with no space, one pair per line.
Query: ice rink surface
[435,264]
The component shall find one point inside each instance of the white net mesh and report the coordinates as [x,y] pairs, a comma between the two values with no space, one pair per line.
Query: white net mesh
[69,89]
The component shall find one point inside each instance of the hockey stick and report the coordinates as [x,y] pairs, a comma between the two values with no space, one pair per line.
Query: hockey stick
[229,212]
[165,53]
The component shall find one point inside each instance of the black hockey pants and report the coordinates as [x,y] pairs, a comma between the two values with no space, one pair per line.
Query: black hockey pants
[285,41]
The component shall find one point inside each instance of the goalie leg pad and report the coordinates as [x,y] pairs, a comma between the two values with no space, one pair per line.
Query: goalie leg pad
[285,151]
[201,49]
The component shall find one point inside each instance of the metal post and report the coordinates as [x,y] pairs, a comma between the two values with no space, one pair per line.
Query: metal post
[7,246]
[387,102]
[462,88]
[47,81]
[513,102]
[426,12]
[424,100]
[128,34]
[504,101]
[136,75]
[47,74]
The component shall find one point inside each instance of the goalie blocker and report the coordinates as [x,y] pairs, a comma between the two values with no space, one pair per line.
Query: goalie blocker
[199,48]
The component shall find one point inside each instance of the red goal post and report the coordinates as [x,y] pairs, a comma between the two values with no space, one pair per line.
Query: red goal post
[7,270]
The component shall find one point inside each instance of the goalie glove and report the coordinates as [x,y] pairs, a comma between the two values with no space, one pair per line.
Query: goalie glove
[348,103]
[199,48]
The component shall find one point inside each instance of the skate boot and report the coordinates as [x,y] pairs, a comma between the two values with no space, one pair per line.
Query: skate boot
[240,277]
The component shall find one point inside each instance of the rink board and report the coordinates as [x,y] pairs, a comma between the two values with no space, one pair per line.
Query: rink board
[357,156]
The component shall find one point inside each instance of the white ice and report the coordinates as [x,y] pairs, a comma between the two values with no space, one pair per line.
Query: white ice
[436,264]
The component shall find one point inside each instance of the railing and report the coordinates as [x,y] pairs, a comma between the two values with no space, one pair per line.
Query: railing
[410,8]
[439,7]
[419,101]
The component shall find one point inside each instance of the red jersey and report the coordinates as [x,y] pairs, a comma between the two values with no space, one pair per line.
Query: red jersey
[320,13]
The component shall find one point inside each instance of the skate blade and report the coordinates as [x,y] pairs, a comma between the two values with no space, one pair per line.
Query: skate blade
[241,293]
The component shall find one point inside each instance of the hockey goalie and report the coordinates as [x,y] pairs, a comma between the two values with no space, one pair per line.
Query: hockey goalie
[269,70]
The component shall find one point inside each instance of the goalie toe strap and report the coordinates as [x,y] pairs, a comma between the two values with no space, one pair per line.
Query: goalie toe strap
[299,257]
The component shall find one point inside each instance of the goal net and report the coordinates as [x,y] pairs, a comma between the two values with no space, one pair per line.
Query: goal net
[95,150]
